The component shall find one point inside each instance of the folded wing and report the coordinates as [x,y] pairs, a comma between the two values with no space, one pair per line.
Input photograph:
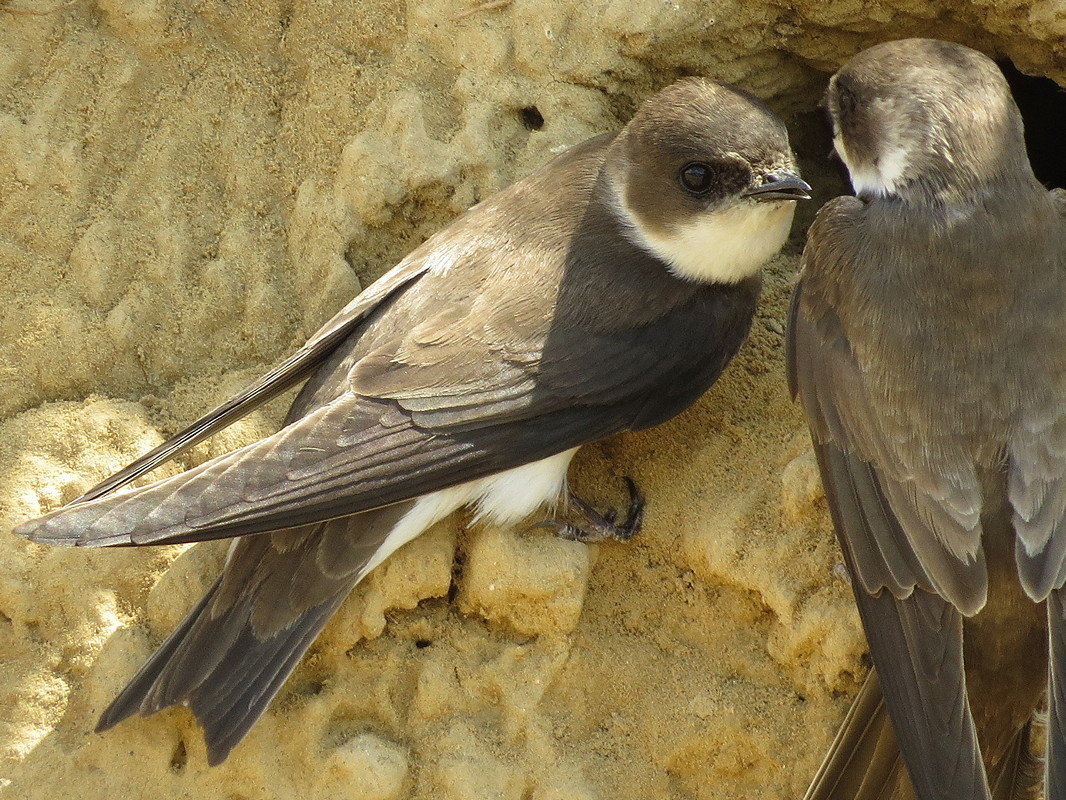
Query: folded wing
[905,534]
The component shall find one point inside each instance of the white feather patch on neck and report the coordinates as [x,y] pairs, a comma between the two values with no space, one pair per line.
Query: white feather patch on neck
[880,179]
[720,246]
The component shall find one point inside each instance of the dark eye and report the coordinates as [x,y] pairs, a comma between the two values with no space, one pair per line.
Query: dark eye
[846,101]
[696,178]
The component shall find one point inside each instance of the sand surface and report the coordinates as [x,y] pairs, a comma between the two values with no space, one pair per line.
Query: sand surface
[188,189]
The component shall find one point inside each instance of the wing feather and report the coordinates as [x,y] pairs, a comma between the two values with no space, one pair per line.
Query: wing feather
[907,534]
[365,449]
[290,372]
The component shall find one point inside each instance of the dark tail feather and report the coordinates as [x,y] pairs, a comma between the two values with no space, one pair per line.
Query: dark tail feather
[1018,774]
[1056,717]
[229,697]
[227,710]
[131,699]
[863,762]
[232,653]
[220,670]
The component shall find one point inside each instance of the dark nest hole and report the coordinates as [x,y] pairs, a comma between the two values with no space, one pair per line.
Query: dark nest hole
[532,119]
[812,141]
[1043,106]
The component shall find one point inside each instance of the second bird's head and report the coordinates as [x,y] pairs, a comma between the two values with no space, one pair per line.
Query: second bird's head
[926,121]
[704,179]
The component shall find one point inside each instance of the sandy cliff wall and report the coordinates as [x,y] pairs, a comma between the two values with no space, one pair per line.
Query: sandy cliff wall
[188,189]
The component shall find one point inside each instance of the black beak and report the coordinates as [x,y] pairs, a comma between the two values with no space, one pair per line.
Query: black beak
[780,186]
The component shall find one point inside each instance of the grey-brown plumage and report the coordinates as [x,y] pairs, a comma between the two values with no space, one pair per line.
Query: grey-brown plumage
[928,349]
[603,293]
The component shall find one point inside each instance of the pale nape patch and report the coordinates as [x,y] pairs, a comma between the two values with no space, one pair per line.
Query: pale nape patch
[723,245]
[503,498]
[882,176]
[879,179]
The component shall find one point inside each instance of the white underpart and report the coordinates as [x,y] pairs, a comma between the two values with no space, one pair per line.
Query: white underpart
[503,499]
[724,245]
[880,178]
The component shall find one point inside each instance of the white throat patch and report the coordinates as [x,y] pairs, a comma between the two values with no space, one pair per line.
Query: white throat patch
[720,246]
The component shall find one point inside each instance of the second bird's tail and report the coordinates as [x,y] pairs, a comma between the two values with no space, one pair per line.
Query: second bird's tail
[864,762]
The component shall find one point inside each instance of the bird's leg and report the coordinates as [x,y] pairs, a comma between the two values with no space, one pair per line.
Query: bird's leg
[604,526]
[599,526]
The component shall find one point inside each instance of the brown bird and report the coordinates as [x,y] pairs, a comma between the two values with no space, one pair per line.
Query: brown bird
[928,350]
[605,292]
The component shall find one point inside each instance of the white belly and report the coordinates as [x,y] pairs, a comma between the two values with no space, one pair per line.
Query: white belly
[504,499]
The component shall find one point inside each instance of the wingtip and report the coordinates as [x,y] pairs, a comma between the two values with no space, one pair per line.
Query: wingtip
[25,530]
[217,753]
[106,722]
[36,531]
[41,531]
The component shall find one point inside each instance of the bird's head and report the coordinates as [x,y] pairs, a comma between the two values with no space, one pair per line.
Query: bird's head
[925,120]
[704,178]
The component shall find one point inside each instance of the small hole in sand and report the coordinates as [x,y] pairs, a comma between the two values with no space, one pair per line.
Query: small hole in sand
[532,119]
[179,759]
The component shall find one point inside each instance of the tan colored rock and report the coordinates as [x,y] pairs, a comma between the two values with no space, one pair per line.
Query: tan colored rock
[469,770]
[188,190]
[802,496]
[366,767]
[532,582]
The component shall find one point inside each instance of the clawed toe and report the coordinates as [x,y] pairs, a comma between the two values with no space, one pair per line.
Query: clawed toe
[601,526]
[564,530]
[635,515]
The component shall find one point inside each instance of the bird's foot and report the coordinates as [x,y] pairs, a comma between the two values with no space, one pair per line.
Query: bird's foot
[599,527]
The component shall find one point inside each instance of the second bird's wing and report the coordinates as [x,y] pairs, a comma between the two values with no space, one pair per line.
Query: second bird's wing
[895,526]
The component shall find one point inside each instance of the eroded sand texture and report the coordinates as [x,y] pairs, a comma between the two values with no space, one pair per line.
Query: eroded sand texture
[188,189]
